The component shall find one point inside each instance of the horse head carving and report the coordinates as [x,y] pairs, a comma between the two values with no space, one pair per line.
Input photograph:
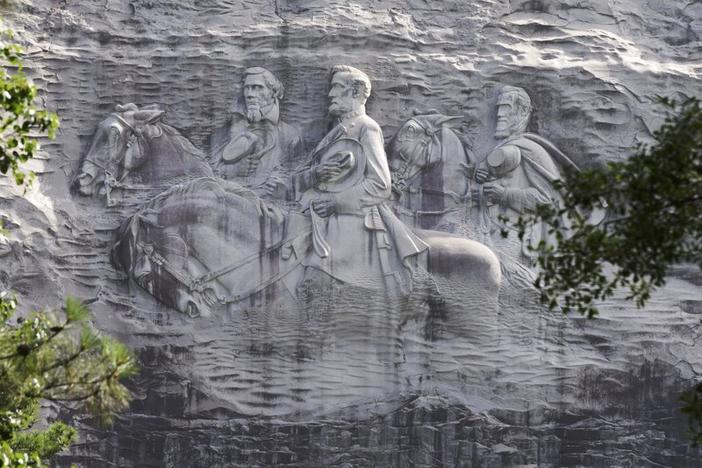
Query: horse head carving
[133,144]
[429,167]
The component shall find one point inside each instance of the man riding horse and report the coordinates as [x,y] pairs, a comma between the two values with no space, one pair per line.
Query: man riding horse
[355,237]
[256,146]
[211,243]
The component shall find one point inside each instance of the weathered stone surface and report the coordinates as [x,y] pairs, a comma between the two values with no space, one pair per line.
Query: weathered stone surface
[434,379]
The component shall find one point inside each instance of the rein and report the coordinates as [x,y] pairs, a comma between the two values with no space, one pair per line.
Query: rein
[198,284]
[416,214]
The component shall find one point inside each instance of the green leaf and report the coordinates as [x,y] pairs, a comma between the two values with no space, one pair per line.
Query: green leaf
[75,310]
[21,116]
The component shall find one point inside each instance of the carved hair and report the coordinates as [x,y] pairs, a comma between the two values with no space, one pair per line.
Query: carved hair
[358,79]
[272,82]
[523,99]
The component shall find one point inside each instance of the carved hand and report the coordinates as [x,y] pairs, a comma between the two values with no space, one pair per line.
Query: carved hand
[85,178]
[398,188]
[269,187]
[324,207]
[327,171]
[493,193]
[482,176]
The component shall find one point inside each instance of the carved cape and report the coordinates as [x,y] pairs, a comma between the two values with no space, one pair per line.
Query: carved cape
[531,183]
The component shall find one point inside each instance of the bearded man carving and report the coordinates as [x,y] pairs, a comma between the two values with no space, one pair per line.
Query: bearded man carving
[255,146]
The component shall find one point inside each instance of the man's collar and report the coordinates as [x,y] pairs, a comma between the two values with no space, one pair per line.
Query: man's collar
[509,138]
[351,115]
[273,115]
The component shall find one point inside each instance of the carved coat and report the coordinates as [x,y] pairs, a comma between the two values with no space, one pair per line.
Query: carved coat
[529,183]
[251,153]
[363,243]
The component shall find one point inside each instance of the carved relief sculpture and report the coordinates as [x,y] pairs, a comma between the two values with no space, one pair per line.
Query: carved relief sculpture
[515,177]
[345,189]
[190,249]
[256,145]
[430,169]
[133,146]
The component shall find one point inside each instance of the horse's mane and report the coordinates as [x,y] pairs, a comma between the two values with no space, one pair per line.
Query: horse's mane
[452,146]
[158,129]
[225,192]
[180,143]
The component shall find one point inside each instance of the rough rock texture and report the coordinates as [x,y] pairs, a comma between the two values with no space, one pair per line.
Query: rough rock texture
[533,389]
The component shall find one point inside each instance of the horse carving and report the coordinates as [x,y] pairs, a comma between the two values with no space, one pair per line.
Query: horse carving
[210,242]
[430,172]
[132,146]
[201,245]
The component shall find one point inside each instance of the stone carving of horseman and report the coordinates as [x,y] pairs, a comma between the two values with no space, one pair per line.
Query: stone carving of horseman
[211,243]
[256,146]
[133,147]
[355,236]
[516,177]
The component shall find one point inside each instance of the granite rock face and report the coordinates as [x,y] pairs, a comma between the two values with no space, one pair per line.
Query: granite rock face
[451,374]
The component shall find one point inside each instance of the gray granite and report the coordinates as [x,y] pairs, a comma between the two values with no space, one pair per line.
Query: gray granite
[324,366]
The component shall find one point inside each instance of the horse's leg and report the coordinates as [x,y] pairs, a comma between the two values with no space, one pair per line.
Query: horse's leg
[463,318]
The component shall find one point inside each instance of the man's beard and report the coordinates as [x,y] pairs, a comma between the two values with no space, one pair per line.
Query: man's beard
[504,131]
[256,113]
[514,127]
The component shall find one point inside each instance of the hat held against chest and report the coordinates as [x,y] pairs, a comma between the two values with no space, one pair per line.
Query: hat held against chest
[241,146]
[504,160]
[348,154]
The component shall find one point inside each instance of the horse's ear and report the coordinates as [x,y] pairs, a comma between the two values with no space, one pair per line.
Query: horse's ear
[146,117]
[151,107]
[432,111]
[130,106]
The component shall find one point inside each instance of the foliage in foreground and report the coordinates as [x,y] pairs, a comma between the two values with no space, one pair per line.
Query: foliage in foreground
[653,202]
[20,118]
[64,361]
[42,357]
[654,206]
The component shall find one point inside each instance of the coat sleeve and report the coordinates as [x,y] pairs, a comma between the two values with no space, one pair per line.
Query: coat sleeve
[302,180]
[375,186]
